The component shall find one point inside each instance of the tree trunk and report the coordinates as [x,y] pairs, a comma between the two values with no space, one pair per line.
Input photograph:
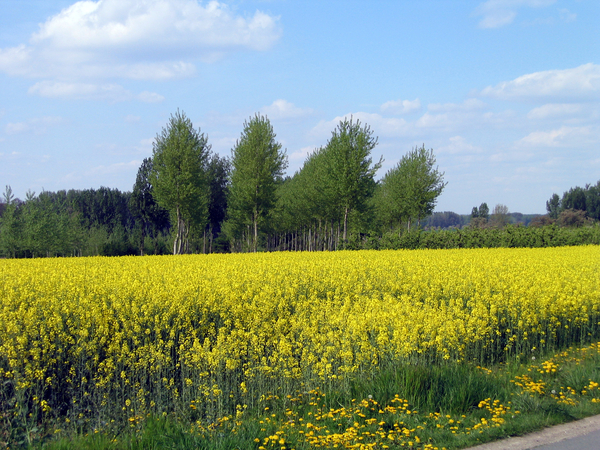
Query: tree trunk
[345,224]
[255,231]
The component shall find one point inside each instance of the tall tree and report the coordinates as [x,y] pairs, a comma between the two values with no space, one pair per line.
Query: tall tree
[553,206]
[500,217]
[179,179]
[484,211]
[257,168]
[218,180]
[11,225]
[351,169]
[151,217]
[409,191]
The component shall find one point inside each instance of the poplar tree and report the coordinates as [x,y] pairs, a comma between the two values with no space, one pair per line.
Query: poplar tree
[409,191]
[257,166]
[179,179]
[350,166]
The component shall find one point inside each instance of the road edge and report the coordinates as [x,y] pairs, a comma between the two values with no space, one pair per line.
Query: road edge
[546,436]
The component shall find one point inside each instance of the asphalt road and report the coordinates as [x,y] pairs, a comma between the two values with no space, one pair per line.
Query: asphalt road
[579,435]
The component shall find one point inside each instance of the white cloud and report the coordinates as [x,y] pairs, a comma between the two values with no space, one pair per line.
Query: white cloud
[301,154]
[564,136]
[567,15]
[381,126]
[153,39]
[38,125]
[471,104]
[458,145]
[147,142]
[130,118]
[16,128]
[401,106]
[116,168]
[150,97]
[554,110]
[580,82]
[80,91]
[282,109]
[88,91]
[497,13]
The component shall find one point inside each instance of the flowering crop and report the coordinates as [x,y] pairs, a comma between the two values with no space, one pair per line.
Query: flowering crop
[203,336]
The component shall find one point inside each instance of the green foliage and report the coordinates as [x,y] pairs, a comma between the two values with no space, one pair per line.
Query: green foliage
[151,219]
[179,177]
[408,192]
[257,169]
[585,199]
[350,167]
[509,236]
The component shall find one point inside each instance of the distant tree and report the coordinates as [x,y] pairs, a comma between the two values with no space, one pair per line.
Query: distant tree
[257,168]
[572,218]
[179,177]
[553,206]
[444,219]
[541,221]
[474,213]
[351,170]
[574,199]
[500,217]
[592,200]
[484,211]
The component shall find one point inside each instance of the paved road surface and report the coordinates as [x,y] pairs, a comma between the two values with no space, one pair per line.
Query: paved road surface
[579,435]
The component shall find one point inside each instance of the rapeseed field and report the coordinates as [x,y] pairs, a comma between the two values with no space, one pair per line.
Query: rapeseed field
[87,342]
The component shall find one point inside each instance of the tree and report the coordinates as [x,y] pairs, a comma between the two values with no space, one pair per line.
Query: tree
[179,179]
[553,206]
[10,225]
[8,195]
[350,164]
[592,200]
[151,217]
[572,218]
[500,217]
[257,168]
[409,191]
[484,211]
[218,181]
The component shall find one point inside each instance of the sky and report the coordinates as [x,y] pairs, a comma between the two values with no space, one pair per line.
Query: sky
[505,92]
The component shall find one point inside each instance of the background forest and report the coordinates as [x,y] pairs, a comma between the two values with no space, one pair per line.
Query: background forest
[186,199]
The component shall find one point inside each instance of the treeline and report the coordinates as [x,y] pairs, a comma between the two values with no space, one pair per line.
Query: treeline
[186,199]
[576,207]
[510,236]
[74,223]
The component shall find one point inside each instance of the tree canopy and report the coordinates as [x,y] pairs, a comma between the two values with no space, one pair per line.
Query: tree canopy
[179,177]
[257,167]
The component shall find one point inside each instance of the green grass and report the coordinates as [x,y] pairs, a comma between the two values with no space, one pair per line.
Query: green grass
[440,407]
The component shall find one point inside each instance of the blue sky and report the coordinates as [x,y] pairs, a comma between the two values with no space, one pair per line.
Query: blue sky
[505,92]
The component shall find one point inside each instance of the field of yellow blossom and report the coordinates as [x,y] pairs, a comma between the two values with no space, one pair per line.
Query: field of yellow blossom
[88,341]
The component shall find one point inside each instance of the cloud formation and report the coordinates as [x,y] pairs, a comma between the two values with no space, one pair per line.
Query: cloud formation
[37,125]
[88,91]
[581,82]
[401,106]
[497,13]
[152,39]
[282,110]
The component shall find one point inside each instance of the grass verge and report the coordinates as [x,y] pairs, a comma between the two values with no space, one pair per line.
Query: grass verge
[411,406]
